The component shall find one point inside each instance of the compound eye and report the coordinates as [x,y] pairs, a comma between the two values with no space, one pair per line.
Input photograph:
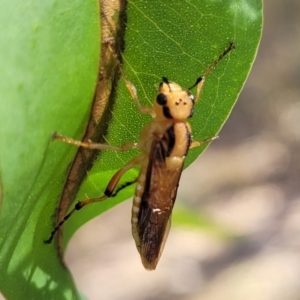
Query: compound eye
[161,99]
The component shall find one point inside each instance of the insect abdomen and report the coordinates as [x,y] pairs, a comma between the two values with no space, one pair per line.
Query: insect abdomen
[156,192]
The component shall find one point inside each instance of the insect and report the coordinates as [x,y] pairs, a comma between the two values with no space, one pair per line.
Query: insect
[164,144]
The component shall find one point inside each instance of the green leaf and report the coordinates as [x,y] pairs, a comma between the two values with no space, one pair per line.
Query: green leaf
[49,61]
[178,40]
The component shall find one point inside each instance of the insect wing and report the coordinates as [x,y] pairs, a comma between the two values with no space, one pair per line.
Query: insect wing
[157,202]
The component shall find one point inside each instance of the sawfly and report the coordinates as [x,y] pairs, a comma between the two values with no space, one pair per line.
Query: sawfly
[164,144]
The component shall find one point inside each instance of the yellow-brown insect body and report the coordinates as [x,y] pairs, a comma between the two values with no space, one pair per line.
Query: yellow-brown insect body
[178,105]
[164,142]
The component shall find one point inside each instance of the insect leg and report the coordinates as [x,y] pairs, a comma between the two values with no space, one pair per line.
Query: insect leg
[200,143]
[108,193]
[90,145]
[200,81]
[123,186]
[131,88]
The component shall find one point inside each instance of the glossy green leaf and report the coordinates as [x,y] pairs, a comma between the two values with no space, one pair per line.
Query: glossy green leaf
[49,61]
[49,52]
[178,40]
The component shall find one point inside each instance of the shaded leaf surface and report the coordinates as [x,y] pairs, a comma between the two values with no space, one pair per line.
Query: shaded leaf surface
[49,61]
